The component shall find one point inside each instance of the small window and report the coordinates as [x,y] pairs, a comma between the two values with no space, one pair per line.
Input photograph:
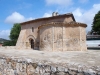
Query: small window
[32,29]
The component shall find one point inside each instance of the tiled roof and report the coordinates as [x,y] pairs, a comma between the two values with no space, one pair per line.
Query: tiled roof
[47,18]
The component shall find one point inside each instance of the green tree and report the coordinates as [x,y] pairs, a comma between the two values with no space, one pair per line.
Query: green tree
[96,23]
[14,34]
[8,43]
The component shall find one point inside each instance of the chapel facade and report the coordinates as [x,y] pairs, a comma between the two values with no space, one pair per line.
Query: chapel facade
[55,33]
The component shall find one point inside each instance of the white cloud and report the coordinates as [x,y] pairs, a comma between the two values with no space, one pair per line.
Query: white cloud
[11,19]
[16,18]
[4,34]
[47,15]
[86,16]
[59,2]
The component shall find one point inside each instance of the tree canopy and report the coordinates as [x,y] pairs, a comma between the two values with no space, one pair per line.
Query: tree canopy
[96,23]
[14,34]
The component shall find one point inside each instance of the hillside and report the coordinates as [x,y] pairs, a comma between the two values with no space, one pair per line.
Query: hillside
[2,40]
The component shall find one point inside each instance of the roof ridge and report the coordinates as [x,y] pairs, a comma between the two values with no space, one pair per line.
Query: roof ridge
[51,17]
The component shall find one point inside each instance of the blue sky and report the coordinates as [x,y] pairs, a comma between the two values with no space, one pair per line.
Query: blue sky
[16,11]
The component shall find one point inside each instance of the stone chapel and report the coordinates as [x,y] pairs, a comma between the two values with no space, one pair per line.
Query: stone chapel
[55,33]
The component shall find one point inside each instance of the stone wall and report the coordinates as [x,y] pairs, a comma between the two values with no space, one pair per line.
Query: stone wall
[31,62]
[20,66]
[22,37]
[62,37]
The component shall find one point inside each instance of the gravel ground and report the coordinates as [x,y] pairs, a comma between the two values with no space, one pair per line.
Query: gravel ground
[90,57]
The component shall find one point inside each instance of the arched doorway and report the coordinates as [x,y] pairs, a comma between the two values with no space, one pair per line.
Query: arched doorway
[31,43]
